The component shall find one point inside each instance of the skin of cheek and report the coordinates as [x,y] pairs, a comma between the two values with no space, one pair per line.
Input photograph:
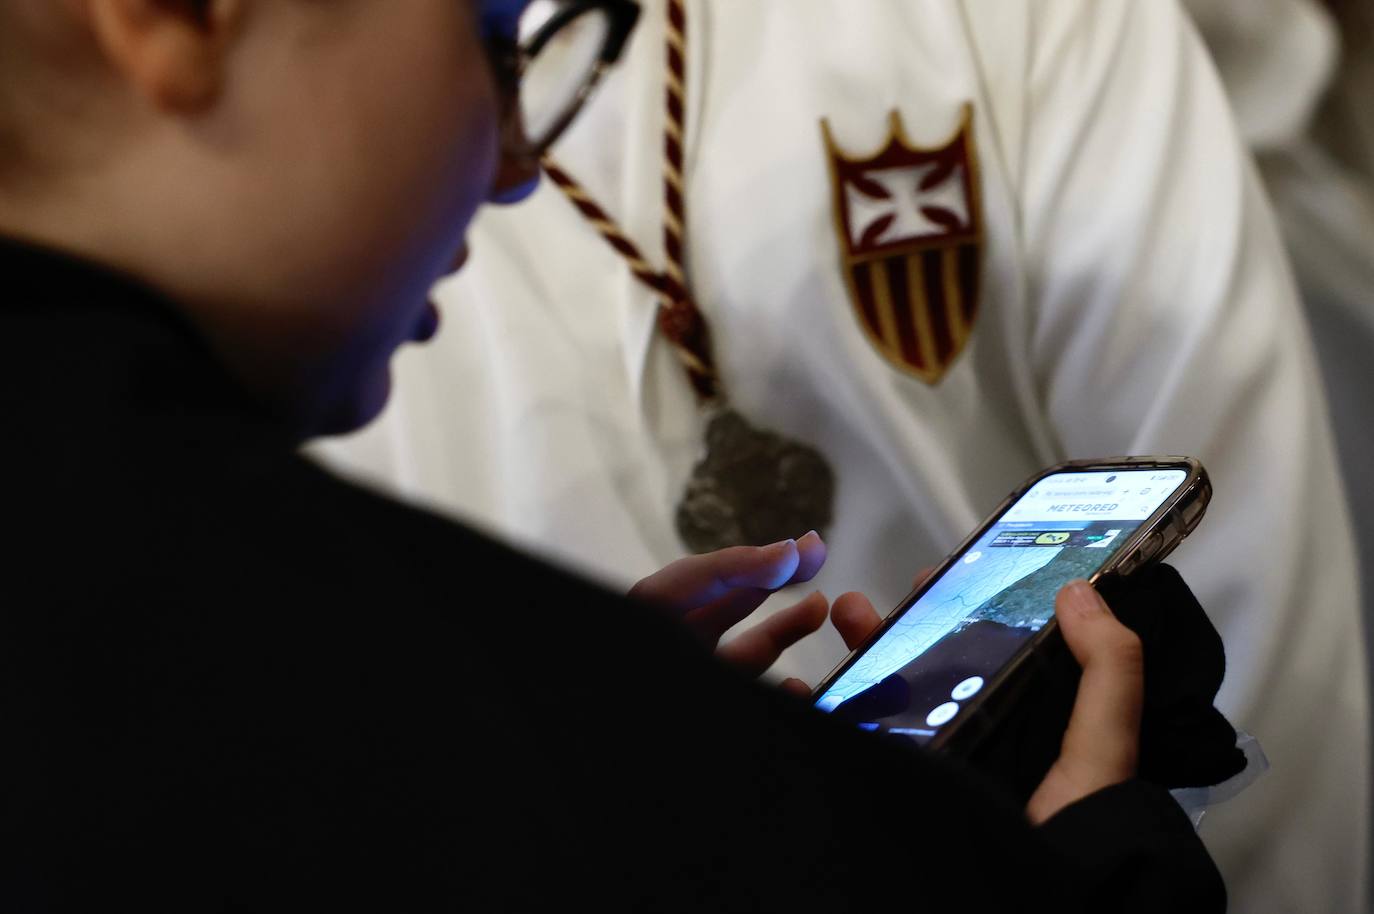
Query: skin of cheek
[385,157]
[453,138]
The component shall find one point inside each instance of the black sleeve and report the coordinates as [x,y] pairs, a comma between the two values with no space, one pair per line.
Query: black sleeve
[1127,846]
[401,714]
[829,818]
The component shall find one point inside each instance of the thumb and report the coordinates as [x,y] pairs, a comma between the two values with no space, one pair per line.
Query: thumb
[1102,743]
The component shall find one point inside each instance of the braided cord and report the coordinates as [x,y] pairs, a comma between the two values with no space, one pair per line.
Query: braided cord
[679,320]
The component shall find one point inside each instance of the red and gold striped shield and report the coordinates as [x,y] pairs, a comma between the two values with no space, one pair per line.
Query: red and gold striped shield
[911,237]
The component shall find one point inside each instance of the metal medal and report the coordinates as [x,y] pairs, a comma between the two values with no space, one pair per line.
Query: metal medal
[752,488]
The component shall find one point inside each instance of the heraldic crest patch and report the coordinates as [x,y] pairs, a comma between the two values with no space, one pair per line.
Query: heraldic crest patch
[910,228]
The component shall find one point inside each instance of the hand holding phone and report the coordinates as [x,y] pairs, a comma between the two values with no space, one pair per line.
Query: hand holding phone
[1102,739]
[946,662]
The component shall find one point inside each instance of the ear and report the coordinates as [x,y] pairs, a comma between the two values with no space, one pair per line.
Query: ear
[171,51]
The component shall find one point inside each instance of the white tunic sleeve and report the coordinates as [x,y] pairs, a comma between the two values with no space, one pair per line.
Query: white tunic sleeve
[1164,315]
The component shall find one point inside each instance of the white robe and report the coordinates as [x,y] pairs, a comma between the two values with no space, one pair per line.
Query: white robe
[1135,300]
[1300,80]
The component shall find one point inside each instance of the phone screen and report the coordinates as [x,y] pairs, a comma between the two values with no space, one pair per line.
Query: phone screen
[973,620]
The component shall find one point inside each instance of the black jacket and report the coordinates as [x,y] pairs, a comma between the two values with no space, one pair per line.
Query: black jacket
[229,680]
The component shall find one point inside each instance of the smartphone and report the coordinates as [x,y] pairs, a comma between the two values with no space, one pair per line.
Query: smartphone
[948,661]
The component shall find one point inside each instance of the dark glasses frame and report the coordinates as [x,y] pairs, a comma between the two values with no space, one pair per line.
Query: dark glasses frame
[512,59]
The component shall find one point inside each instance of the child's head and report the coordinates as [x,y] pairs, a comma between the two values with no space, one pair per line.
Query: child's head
[294,173]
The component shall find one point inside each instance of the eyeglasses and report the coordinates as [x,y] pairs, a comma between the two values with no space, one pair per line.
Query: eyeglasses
[553,63]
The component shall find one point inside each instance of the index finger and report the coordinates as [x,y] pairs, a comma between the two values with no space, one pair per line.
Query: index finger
[699,579]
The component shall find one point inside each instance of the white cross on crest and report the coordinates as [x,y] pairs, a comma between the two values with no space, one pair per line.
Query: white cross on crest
[906,202]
